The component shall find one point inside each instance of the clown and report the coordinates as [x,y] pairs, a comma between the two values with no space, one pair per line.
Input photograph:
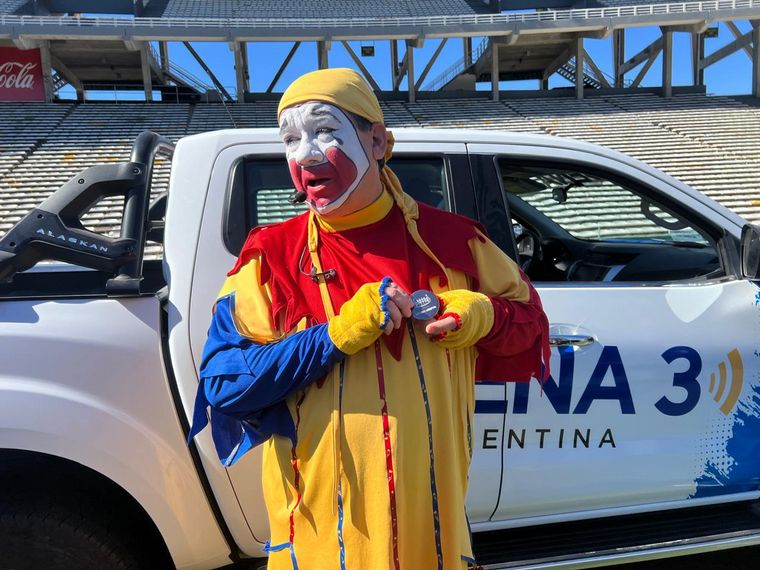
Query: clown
[364,413]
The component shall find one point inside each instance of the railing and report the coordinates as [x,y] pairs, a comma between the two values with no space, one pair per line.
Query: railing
[460,65]
[610,78]
[432,21]
[456,68]
[590,78]
[568,72]
[182,74]
[121,93]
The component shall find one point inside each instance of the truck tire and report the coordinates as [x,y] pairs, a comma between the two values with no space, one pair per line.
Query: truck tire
[56,537]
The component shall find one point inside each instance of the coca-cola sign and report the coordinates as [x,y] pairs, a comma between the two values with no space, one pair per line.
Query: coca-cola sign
[21,75]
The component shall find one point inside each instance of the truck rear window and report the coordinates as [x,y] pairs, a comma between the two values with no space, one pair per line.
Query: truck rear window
[261,187]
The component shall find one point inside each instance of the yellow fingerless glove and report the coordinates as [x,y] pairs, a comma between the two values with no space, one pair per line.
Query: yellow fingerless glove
[362,318]
[473,313]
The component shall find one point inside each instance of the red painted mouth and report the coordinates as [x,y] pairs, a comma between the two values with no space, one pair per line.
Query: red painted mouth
[326,182]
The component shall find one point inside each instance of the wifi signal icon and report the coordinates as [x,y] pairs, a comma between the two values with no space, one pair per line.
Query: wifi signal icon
[735,386]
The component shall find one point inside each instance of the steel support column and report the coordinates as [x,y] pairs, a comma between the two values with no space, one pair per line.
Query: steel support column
[163,49]
[241,72]
[410,71]
[667,63]
[394,64]
[618,56]
[467,51]
[146,72]
[322,48]
[47,70]
[697,55]
[755,58]
[578,44]
[494,70]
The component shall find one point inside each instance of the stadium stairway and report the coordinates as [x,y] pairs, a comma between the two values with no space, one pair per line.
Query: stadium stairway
[710,143]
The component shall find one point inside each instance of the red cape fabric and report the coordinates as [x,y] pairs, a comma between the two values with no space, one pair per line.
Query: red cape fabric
[365,255]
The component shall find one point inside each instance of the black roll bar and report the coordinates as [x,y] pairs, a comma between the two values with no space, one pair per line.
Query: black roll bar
[54,229]
[135,216]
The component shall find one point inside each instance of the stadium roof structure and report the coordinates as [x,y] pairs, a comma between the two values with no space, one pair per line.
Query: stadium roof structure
[321,8]
[526,45]
[583,21]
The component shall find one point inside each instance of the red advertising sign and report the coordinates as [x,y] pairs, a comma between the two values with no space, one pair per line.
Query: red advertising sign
[21,75]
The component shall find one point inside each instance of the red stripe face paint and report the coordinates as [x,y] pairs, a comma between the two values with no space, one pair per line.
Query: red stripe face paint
[325,156]
[327,182]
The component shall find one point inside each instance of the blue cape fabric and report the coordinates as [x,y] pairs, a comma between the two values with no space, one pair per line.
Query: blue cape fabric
[246,383]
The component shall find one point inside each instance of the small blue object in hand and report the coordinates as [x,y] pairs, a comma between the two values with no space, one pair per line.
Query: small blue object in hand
[426,305]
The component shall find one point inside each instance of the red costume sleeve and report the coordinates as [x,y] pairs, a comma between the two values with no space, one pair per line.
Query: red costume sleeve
[517,347]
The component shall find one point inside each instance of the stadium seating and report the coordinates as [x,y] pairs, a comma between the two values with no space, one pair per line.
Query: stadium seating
[87,135]
[220,116]
[320,8]
[711,143]
[25,127]
[10,6]
[617,3]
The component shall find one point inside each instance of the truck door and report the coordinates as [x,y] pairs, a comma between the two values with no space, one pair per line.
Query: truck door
[257,186]
[655,374]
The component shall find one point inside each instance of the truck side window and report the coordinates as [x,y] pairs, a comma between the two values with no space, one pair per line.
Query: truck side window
[261,187]
[581,226]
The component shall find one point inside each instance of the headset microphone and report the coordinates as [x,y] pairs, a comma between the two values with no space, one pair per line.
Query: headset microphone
[298,197]
[328,275]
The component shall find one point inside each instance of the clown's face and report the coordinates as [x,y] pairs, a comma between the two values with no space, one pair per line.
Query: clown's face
[325,155]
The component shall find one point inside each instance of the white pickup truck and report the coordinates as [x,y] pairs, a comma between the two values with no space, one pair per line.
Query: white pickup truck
[653,406]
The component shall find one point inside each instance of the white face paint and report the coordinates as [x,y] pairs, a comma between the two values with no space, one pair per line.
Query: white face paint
[325,156]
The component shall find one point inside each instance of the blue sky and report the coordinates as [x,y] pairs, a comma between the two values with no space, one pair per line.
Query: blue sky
[731,76]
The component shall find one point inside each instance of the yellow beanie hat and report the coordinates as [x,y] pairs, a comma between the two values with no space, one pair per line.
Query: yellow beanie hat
[343,87]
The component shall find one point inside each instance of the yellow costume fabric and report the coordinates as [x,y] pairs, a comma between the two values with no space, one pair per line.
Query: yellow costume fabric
[376,475]
[311,498]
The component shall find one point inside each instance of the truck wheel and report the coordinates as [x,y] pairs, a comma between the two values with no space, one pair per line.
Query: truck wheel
[55,537]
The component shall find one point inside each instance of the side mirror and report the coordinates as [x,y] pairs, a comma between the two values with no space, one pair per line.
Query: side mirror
[750,252]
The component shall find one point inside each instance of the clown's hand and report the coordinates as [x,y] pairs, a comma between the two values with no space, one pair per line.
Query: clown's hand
[375,308]
[466,317]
